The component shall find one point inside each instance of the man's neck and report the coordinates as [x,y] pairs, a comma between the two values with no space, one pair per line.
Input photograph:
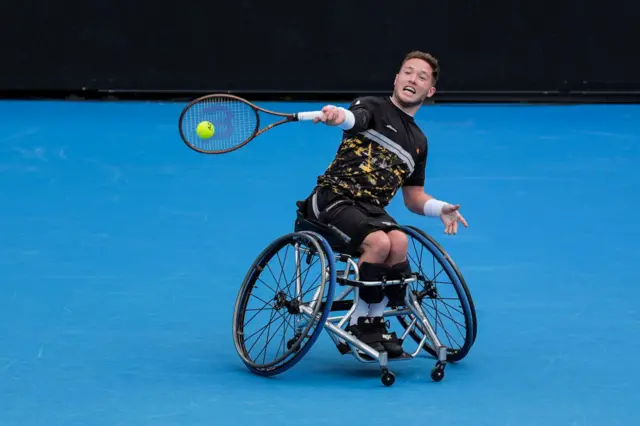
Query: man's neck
[407,110]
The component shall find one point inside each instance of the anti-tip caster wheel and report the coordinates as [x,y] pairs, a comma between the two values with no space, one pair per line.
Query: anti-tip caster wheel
[293,341]
[437,372]
[388,378]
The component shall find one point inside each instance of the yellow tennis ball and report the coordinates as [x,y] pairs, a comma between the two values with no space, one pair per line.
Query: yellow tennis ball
[205,130]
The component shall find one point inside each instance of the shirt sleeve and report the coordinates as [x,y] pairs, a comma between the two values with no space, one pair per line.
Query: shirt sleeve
[417,178]
[363,109]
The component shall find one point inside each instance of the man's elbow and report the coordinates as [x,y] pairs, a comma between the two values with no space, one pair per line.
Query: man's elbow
[412,205]
[414,199]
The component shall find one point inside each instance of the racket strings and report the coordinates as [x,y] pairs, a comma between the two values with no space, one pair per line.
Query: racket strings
[234,123]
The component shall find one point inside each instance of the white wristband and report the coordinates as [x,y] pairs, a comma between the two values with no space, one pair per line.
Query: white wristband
[434,207]
[349,120]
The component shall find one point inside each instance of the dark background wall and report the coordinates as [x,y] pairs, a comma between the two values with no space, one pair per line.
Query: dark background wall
[487,49]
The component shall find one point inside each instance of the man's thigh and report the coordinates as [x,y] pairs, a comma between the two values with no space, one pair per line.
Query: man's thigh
[356,222]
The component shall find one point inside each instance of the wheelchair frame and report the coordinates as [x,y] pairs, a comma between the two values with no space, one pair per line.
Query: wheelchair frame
[331,245]
[346,342]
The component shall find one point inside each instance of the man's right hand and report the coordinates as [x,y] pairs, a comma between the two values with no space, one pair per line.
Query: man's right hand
[332,116]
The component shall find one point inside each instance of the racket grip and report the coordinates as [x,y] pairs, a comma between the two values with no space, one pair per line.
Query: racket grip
[308,115]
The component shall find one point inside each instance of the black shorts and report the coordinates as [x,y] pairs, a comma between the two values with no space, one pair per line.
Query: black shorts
[356,219]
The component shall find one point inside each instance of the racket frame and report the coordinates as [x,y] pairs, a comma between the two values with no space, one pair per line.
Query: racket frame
[287,118]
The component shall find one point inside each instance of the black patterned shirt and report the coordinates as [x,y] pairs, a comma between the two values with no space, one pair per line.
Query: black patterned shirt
[384,151]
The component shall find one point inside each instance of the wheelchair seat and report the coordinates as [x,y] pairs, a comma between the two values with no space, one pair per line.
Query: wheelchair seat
[338,241]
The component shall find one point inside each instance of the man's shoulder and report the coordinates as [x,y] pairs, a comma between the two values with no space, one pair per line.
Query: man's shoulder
[367,102]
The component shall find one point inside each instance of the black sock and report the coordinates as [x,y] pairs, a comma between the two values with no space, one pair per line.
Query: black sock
[400,270]
[372,272]
[396,293]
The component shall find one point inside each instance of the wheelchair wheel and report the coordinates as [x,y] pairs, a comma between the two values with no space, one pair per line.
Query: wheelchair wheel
[283,303]
[443,296]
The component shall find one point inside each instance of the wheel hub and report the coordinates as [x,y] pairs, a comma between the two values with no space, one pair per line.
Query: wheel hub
[429,291]
[281,302]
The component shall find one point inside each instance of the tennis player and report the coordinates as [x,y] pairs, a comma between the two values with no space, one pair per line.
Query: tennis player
[382,150]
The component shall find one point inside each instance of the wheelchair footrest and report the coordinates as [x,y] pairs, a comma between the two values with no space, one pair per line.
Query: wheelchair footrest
[402,357]
[344,349]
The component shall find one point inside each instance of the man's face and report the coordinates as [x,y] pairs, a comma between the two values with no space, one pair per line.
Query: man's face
[413,83]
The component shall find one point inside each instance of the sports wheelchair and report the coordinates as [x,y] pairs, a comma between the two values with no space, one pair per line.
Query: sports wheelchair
[438,313]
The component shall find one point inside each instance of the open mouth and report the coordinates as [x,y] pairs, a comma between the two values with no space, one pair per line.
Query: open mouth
[409,90]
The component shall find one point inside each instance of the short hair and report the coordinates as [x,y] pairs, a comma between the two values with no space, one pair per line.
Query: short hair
[428,58]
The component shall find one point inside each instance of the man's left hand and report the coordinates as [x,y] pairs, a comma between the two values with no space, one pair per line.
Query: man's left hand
[450,217]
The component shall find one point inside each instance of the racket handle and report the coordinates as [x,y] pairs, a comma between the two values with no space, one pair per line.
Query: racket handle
[308,115]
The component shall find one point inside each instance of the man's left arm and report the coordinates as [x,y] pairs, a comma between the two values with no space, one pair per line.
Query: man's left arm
[419,202]
[415,199]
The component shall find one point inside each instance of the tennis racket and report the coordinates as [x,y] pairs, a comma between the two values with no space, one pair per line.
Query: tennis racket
[236,122]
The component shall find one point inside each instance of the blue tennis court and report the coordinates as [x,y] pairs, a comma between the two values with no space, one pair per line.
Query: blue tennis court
[122,253]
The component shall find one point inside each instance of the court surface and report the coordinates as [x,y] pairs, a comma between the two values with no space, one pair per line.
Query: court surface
[122,252]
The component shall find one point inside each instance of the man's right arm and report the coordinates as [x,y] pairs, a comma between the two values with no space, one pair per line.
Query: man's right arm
[357,118]
[362,111]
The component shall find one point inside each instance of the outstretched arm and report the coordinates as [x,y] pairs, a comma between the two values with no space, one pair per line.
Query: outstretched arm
[355,119]
[419,202]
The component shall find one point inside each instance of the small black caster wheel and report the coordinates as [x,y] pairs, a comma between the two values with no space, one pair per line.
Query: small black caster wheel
[291,342]
[437,373]
[388,378]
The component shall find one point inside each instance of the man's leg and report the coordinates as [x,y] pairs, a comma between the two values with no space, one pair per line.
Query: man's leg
[396,266]
[375,250]
[373,300]
[374,244]
[366,231]
[400,267]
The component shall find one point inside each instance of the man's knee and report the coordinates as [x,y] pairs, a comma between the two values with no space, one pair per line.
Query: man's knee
[399,244]
[377,245]
[380,247]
